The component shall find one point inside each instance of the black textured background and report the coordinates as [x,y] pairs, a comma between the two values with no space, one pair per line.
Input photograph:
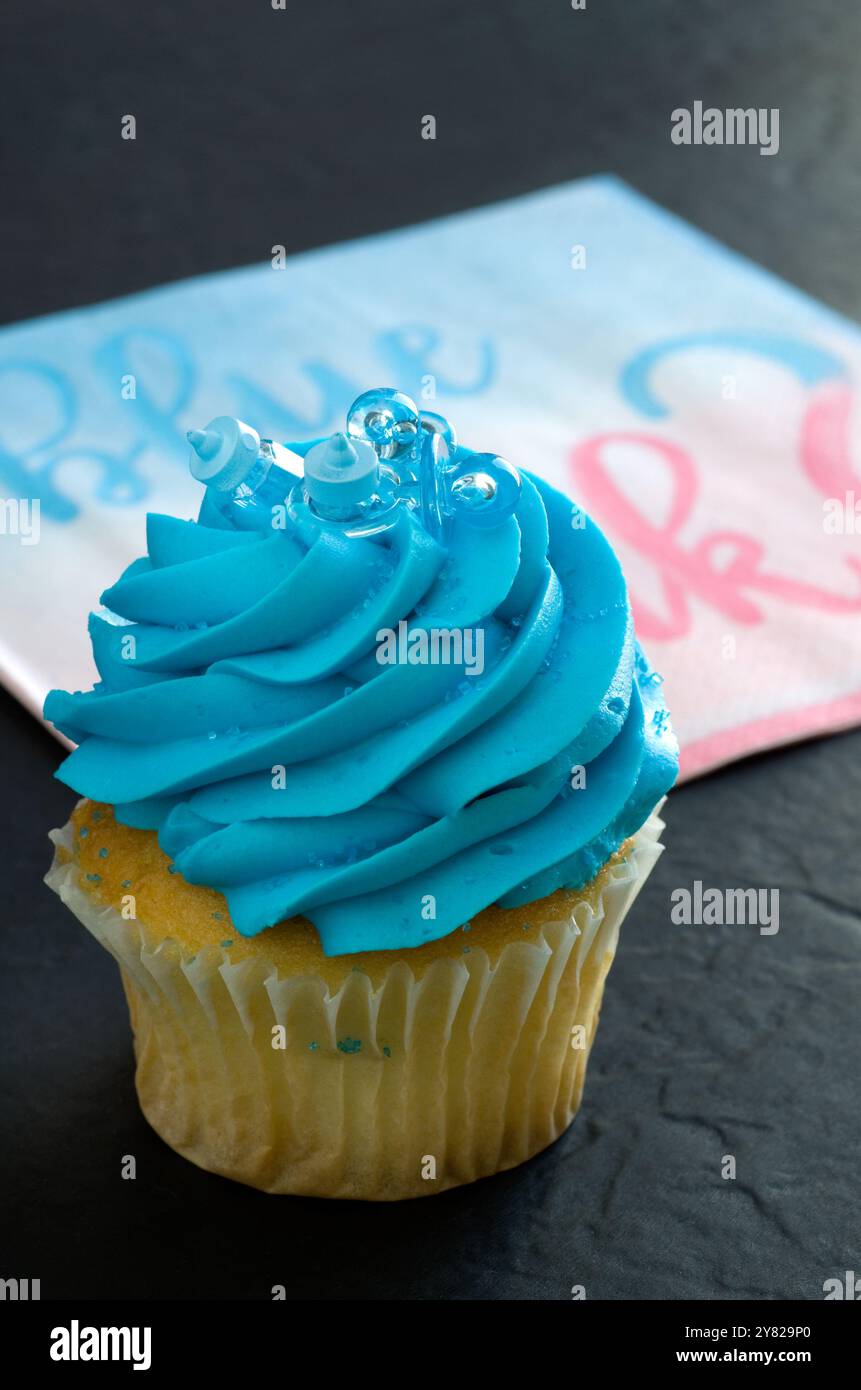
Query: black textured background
[301,127]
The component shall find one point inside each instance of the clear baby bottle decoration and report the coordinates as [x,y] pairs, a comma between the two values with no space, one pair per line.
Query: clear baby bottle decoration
[390,459]
[346,486]
[245,476]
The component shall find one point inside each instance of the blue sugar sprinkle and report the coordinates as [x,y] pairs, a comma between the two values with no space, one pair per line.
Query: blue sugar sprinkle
[94,878]
[225,944]
[349,1045]
[127,883]
[96,817]
[219,916]
[83,832]
[387,1052]
[103,853]
[312,1047]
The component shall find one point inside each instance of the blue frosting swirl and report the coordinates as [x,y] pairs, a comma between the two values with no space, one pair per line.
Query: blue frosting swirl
[243,713]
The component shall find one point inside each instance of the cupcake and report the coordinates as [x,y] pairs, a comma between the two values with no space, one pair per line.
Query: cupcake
[369,780]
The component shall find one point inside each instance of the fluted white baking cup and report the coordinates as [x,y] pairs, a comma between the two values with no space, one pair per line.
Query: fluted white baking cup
[372,1091]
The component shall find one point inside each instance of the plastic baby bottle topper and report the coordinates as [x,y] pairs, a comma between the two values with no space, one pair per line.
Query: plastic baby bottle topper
[390,457]
[245,475]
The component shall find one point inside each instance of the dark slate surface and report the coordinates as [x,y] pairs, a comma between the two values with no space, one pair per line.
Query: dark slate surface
[713,1040]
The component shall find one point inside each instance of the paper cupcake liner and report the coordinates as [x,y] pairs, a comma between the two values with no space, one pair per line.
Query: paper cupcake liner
[379,1092]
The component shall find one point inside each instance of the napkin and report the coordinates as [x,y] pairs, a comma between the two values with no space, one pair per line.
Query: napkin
[700,410]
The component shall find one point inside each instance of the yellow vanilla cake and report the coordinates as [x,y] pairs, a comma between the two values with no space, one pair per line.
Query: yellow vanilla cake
[492,1024]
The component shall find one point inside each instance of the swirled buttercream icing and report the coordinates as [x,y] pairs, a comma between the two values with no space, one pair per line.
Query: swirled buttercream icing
[270,704]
